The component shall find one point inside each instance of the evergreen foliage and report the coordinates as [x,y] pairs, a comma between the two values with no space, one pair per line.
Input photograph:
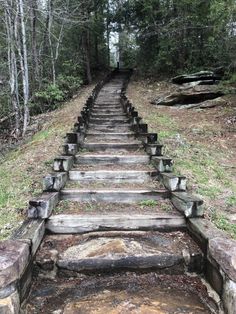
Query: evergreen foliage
[49,48]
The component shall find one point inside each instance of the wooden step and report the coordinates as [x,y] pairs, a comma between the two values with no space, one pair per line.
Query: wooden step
[118,111]
[113,196]
[112,159]
[71,224]
[109,116]
[110,136]
[108,121]
[107,107]
[109,128]
[106,146]
[113,176]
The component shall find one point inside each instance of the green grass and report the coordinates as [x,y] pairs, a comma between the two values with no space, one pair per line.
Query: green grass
[41,136]
[165,134]
[204,169]
[148,203]
[12,187]
[221,221]
[17,183]
[231,201]
[61,207]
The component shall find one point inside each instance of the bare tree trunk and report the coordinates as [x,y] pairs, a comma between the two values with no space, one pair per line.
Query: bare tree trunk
[96,40]
[24,67]
[108,33]
[86,46]
[13,77]
[35,60]
[50,20]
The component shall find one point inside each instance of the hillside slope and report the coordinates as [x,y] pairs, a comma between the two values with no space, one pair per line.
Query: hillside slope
[22,170]
[202,143]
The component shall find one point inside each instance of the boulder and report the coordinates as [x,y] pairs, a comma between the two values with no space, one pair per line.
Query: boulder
[223,251]
[217,102]
[193,95]
[199,76]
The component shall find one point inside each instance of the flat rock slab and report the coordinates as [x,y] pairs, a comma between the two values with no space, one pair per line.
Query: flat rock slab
[154,303]
[120,294]
[14,257]
[102,251]
[194,77]
[223,251]
[193,95]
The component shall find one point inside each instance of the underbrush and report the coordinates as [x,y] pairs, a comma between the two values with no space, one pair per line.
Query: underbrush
[50,96]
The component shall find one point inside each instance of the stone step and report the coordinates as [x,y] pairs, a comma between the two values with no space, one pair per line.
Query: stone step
[119,293]
[169,253]
[108,146]
[117,176]
[112,159]
[113,195]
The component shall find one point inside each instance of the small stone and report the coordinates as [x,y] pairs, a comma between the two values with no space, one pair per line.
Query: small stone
[10,305]
[229,296]
[223,251]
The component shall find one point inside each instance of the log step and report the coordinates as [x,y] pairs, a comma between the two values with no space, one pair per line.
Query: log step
[110,136]
[118,111]
[110,116]
[110,123]
[113,196]
[112,159]
[108,107]
[117,176]
[109,120]
[71,224]
[109,128]
[107,146]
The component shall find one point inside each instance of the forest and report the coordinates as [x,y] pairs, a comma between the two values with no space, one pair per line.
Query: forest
[49,48]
